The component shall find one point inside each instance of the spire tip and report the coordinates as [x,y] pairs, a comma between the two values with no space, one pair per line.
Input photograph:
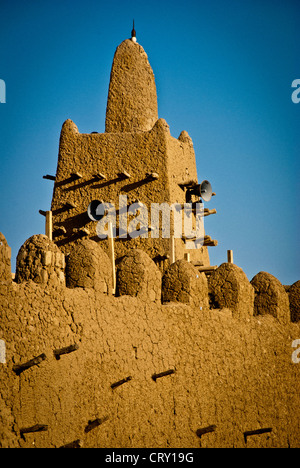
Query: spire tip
[133,33]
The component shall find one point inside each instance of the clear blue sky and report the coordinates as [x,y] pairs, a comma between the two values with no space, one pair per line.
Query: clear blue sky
[223,72]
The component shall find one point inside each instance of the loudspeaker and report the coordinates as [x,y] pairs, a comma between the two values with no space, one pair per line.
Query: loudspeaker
[92,210]
[202,190]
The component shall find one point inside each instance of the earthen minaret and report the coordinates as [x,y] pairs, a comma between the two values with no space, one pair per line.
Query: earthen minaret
[136,157]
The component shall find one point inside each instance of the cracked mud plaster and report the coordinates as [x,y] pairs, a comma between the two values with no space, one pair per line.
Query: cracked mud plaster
[294,299]
[229,371]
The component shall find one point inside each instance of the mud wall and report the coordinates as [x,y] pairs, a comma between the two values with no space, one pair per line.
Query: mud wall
[130,372]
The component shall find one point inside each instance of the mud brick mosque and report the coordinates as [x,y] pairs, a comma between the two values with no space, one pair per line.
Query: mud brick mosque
[139,342]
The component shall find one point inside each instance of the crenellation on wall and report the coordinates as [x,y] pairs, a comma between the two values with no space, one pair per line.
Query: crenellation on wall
[185,138]
[88,266]
[182,282]
[5,264]
[40,260]
[229,287]
[138,276]
[270,297]
[294,301]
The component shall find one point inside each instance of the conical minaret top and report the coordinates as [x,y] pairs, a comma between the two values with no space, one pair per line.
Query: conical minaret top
[132,99]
